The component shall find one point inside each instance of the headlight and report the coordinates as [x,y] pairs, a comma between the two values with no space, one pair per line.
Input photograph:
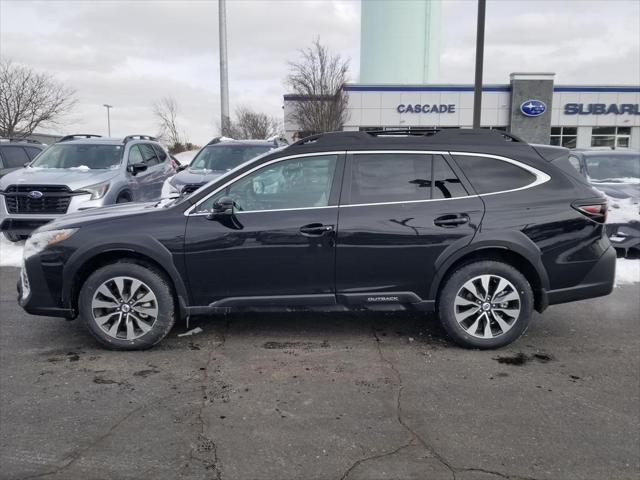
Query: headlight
[169,189]
[97,191]
[41,240]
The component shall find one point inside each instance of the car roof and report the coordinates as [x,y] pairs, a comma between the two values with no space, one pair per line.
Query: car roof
[230,141]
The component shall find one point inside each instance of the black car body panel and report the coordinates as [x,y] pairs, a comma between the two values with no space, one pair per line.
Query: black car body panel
[345,252]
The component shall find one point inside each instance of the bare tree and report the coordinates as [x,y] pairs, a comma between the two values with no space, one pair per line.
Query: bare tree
[166,112]
[29,100]
[317,78]
[251,124]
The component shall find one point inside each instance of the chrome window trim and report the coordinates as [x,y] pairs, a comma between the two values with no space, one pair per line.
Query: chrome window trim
[188,211]
[541,178]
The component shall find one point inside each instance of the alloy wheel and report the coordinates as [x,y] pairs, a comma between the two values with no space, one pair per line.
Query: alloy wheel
[125,308]
[487,306]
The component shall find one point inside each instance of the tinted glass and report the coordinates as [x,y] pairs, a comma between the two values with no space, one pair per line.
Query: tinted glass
[446,183]
[135,156]
[226,157]
[611,168]
[149,155]
[14,157]
[32,152]
[491,175]
[390,177]
[603,141]
[296,183]
[162,155]
[603,130]
[80,156]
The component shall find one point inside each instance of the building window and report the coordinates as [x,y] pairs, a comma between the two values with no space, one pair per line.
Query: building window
[564,136]
[610,136]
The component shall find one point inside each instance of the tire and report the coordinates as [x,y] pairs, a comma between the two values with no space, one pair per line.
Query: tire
[106,299]
[123,198]
[463,301]
[14,237]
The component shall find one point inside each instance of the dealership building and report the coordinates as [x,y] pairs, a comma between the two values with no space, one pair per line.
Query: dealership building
[531,106]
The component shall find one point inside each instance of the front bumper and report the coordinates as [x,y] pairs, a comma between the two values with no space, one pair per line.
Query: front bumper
[598,282]
[624,235]
[38,293]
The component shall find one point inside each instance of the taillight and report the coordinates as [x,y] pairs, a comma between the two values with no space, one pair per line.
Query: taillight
[595,211]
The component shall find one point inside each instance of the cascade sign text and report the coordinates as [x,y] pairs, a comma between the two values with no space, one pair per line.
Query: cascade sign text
[426,108]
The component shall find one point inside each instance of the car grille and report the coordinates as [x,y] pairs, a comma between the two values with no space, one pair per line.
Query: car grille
[190,188]
[54,199]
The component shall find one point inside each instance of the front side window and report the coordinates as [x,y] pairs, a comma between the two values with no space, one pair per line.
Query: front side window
[14,157]
[135,157]
[446,183]
[221,158]
[296,183]
[80,156]
[149,155]
[488,175]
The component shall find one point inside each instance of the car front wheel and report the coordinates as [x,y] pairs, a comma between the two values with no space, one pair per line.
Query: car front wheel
[486,304]
[127,306]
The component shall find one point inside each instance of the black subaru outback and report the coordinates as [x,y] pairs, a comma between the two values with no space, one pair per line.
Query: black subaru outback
[478,226]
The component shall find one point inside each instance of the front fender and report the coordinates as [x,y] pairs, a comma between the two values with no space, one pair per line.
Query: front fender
[144,245]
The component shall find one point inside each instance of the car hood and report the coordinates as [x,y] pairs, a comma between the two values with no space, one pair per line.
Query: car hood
[100,214]
[619,190]
[196,177]
[73,178]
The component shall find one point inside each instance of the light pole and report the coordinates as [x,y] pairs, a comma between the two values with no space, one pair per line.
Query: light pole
[477,91]
[224,74]
[108,107]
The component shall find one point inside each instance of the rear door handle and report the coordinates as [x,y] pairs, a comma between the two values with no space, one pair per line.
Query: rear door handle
[315,229]
[451,221]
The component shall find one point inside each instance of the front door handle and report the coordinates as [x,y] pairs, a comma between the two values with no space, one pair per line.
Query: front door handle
[451,221]
[315,229]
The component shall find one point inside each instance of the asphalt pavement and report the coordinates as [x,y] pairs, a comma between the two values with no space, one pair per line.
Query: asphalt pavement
[324,396]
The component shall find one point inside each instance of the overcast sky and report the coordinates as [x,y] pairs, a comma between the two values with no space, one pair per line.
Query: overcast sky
[131,53]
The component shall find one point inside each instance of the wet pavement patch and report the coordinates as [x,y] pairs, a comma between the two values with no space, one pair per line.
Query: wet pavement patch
[145,373]
[520,358]
[103,381]
[294,345]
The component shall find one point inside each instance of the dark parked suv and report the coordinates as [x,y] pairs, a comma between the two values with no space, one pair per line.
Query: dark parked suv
[478,226]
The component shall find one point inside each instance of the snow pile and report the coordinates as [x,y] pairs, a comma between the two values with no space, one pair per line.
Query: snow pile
[10,253]
[627,271]
[623,210]
[185,157]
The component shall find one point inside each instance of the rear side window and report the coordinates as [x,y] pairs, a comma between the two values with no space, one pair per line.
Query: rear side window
[488,175]
[389,177]
[14,157]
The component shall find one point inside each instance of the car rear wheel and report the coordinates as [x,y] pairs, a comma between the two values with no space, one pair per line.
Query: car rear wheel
[127,306]
[14,237]
[486,304]
[123,198]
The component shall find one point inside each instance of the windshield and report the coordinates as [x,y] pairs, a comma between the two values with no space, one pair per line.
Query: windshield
[226,157]
[81,157]
[616,169]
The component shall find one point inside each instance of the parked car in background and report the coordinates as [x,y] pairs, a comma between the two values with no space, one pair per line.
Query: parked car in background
[81,172]
[15,153]
[616,173]
[215,159]
[480,229]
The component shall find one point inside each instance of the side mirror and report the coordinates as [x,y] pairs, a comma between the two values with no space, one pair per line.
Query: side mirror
[181,167]
[136,168]
[223,208]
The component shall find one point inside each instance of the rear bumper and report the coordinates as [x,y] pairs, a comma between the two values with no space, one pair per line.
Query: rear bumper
[597,283]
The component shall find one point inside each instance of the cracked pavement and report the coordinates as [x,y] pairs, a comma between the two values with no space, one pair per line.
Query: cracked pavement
[323,396]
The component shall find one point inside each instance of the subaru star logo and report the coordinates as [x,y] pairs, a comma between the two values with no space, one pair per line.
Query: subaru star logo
[35,194]
[533,108]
